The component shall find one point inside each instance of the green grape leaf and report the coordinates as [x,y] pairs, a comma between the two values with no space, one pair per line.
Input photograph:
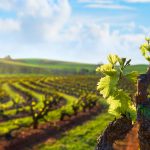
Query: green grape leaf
[145,49]
[120,103]
[122,61]
[132,112]
[107,69]
[113,59]
[118,99]
[124,99]
[107,85]
[113,105]
[128,62]
[132,76]
[147,39]
[147,58]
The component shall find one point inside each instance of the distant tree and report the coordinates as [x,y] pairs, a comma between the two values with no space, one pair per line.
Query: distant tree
[8,57]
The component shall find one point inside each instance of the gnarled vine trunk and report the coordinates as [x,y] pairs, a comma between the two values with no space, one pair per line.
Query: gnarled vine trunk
[120,127]
[144,134]
[116,130]
[143,110]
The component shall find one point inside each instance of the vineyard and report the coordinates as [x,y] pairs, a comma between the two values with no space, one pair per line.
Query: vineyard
[43,111]
[69,112]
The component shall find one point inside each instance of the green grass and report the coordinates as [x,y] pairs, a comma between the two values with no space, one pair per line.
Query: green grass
[81,137]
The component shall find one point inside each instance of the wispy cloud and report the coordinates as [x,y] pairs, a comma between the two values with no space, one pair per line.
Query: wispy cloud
[137,1]
[9,25]
[107,4]
[110,6]
[6,4]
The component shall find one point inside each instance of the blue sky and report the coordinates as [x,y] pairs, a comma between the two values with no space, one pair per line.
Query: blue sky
[74,30]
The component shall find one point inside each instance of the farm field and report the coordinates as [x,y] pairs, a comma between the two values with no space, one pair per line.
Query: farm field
[52,112]
[50,109]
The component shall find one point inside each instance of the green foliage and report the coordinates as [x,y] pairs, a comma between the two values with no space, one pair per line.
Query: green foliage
[145,49]
[106,85]
[118,97]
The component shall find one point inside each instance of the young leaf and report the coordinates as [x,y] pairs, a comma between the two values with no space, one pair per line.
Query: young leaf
[122,61]
[107,69]
[107,85]
[113,59]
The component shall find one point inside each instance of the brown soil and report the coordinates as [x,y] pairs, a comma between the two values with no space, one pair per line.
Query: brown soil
[130,142]
[51,131]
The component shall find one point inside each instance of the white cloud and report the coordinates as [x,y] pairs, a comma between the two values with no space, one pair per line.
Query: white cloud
[59,19]
[96,1]
[145,30]
[45,19]
[137,1]
[36,8]
[107,4]
[111,1]
[101,39]
[6,4]
[37,20]
[9,25]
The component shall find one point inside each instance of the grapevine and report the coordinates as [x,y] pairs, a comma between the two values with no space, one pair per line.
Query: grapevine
[118,98]
[121,102]
[145,49]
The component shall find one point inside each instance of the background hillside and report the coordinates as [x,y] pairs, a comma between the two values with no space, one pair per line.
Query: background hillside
[44,66]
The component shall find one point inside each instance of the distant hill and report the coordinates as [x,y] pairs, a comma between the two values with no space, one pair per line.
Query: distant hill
[45,66]
[53,64]
[141,68]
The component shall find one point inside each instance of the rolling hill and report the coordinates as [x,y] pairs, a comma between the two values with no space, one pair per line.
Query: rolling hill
[45,66]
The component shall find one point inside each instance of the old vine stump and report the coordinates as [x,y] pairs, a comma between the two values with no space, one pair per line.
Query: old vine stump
[116,130]
[143,110]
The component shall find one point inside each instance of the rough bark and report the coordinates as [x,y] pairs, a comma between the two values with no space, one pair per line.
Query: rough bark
[144,134]
[116,130]
[143,110]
